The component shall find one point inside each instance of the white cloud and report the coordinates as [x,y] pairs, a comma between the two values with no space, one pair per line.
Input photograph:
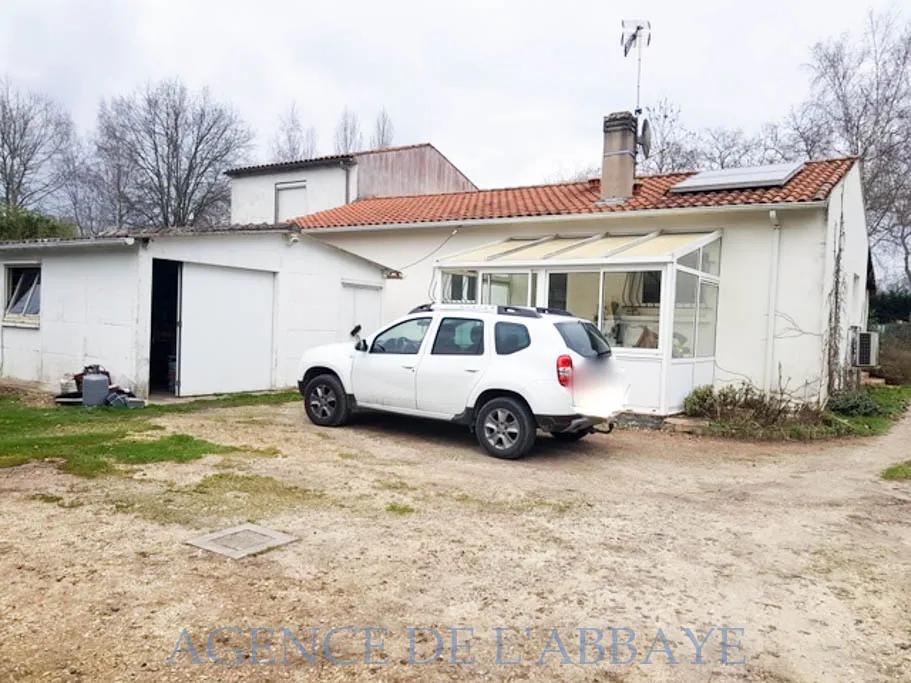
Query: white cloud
[511,92]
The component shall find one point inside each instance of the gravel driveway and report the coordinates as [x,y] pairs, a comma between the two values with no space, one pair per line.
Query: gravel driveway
[407,524]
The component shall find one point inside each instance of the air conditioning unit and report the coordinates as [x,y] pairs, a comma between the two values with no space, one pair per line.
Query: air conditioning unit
[866,349]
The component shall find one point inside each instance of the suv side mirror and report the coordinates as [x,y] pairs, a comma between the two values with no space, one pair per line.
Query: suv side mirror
[361,345]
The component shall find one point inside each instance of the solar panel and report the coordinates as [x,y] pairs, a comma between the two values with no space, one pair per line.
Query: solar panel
[773,175]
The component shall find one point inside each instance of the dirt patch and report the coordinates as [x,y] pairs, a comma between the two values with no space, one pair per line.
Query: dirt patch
[407,524]
[30,393]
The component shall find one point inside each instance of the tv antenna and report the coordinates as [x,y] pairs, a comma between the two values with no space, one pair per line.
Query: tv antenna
[636,33]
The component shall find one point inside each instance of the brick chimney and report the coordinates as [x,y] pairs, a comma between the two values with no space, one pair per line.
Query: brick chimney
[618,169]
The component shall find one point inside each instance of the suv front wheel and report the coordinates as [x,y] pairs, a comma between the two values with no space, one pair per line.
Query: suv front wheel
[325,401]
[505,428]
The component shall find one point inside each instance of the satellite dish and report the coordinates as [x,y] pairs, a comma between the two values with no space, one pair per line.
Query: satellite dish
[645,138]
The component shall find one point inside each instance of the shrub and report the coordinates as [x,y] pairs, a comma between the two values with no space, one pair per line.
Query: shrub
[854,404]
[891,305]
[700,402]
[741,404]
[21,224]
[895,354]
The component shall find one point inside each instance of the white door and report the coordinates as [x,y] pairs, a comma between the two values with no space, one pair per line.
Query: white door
[225,330]
[360,305]
[452,366]
[384,374]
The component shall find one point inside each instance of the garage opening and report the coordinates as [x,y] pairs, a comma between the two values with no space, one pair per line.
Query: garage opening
[163,349]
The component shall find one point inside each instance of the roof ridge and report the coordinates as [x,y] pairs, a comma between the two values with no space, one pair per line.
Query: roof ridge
[481,190]
[392,148]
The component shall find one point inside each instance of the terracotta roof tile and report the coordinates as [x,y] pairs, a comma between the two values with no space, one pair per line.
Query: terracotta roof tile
[813,183]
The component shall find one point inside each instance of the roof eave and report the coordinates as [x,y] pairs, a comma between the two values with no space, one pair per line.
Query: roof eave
[282,167]
[68,244]
[583,217]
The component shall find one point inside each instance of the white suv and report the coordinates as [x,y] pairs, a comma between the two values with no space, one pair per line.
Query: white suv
[503,371]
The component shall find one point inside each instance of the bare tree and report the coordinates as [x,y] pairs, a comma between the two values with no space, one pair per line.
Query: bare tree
[163,152]
[348,138]
[383,131]
[35,133]
[860,104]
[673,145]
[292,141]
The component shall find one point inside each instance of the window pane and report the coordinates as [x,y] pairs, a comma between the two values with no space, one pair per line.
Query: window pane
[460,286]
[21,282]
[685,315]
[711,258]
[505,289]
[511,337]
[631,309]
[708,319]
[34,303]
[690,260]
[459,337]
[576,292]
[404,338]
[584,338]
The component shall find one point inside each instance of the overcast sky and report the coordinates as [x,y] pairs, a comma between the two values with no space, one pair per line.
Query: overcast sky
[511,92]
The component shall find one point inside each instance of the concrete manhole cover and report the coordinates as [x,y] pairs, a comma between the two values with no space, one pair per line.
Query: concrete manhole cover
[240,541]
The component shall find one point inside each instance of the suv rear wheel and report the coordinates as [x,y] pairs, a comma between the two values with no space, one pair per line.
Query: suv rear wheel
[505,428]
[325,401]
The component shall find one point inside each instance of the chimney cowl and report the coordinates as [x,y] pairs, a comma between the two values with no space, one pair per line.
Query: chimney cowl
[618,168]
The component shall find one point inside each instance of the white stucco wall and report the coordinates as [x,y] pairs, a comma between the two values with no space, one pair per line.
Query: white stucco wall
[96,304]
[846,217]
[253,197]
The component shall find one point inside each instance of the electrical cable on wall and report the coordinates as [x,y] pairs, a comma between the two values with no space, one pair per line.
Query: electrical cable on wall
[424,258]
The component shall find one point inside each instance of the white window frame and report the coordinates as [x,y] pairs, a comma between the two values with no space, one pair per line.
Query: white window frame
[19,319]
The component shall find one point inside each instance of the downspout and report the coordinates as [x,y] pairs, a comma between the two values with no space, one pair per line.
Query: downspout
[773,301]
[346,164]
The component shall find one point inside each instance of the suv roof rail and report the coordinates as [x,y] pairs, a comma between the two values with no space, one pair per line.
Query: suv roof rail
[555,311]
[518,310]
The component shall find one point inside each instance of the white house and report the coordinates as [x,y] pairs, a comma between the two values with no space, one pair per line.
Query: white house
[277,192]
[755,275]
[177,311]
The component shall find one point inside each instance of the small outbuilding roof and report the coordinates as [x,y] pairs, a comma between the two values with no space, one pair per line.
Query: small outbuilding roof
[813,183]
[127,238]
[330,160]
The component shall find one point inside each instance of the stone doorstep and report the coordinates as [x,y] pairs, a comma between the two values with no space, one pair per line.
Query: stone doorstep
[684,425]
[241,541]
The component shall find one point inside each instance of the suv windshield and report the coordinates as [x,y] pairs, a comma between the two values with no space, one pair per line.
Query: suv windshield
[584,338]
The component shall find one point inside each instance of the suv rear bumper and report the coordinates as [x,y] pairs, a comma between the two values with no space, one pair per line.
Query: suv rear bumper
[567,423]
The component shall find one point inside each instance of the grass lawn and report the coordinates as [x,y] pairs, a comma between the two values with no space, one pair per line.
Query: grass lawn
[91,440]
[900,472]
[892,402]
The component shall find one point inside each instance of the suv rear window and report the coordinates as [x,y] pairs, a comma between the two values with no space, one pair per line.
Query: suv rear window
[511,337]
[584,338]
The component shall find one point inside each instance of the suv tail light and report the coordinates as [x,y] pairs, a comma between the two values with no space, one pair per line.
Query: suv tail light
[565,370]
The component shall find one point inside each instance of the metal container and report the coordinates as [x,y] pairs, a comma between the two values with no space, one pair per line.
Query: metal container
[94,389]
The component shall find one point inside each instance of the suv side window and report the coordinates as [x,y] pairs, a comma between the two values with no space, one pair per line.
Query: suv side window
[459,337]
[404,338]
[511,337]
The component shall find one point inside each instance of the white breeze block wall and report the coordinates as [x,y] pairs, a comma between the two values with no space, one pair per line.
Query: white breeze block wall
[89,305]
[308,285]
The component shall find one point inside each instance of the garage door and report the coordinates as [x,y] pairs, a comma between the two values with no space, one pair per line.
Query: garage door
[360,305]
[225,330]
